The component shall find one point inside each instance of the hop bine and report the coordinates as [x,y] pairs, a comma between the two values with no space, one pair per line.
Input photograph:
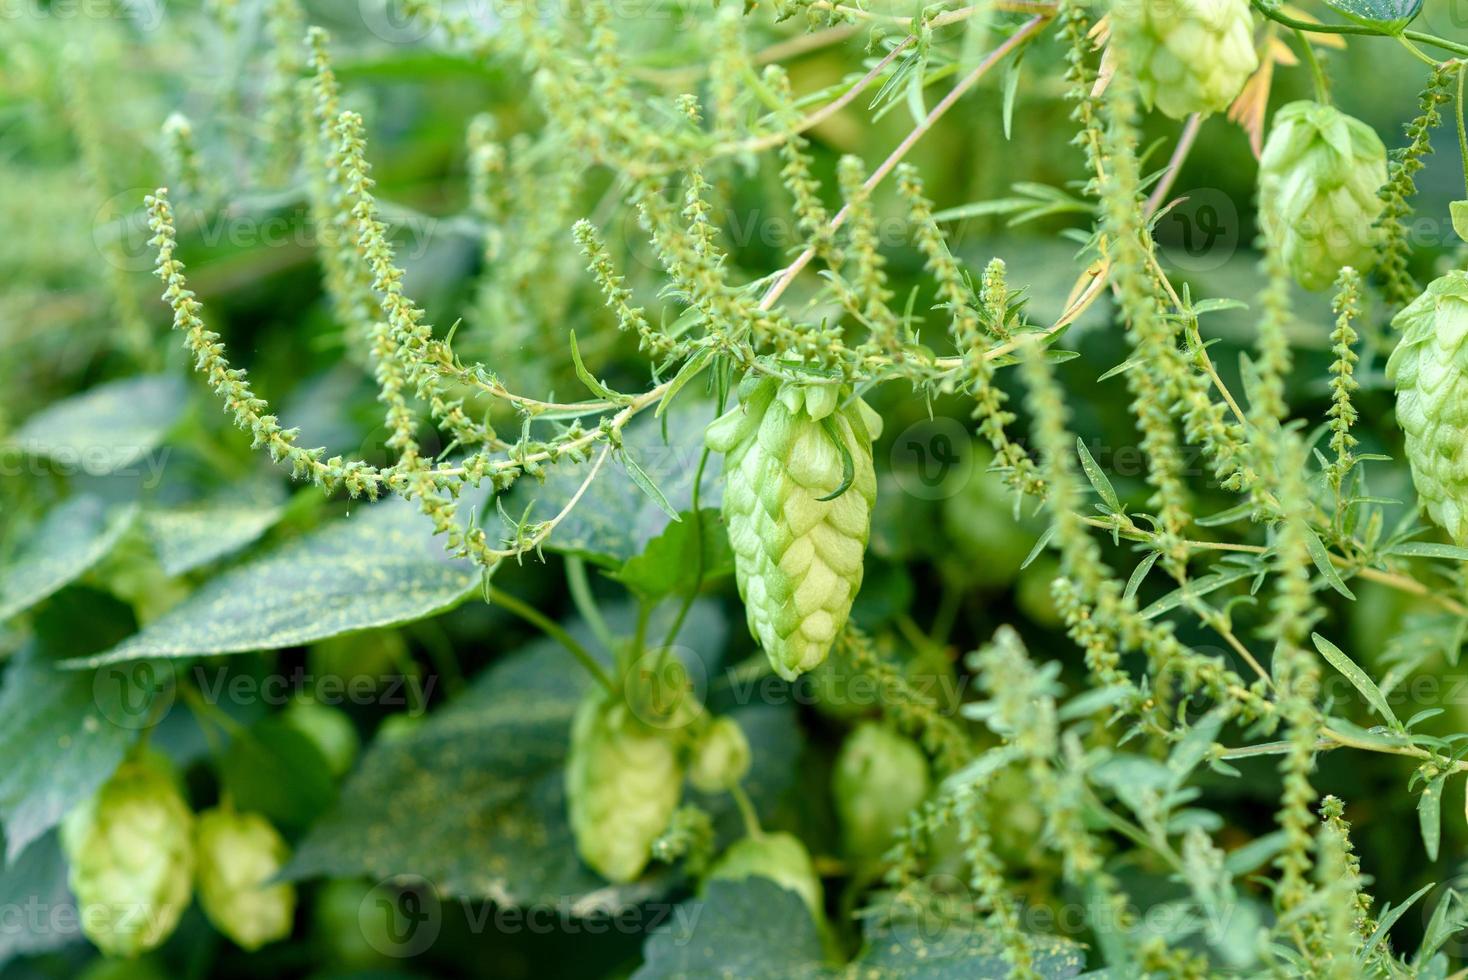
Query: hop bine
[1318,178]
[798,496]
[131,856]
[1430,370]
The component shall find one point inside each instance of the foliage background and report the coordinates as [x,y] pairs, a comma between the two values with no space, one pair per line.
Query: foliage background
[82,99]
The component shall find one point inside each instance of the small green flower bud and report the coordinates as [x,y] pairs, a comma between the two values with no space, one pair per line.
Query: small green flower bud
[330,730]
[1430,370]
[880,777]
[131,855]
[1193,55]
[237,854]
[797,555]
[721,758]
[623,783]
[1318,178]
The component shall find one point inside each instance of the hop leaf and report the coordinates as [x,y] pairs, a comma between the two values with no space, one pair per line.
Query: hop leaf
[721,757]
[1430,370]
[1319,175]
[623,782]
[131,856]
[781,858]
[1194,55]
[798,497]
[880,777]
[237,854]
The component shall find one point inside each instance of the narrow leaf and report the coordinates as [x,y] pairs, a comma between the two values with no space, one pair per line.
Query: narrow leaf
[1358,678]
[644,483]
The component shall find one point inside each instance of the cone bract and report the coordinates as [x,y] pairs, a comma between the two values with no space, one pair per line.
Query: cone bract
[721,758]
[1318,179]
[623,782]
[797,557]
[1430,370]
[131,858]
[1193,55]
[237,854]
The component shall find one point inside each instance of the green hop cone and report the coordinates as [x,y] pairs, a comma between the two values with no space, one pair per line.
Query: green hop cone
[1193,55]
[1430,370]
[721,758]
[131,856]
[797,554]
[623,783]
[879,778]
[1458,211]
[237,854]
[781,858]
[1318,182]
[330,730]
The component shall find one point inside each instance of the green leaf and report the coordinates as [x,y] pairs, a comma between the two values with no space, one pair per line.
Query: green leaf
[379,566]
[691,369]
[615,520]
[1097,476]
[1428,549]
[107,428]
[71,538]
[275,769]
[62,733]
[1011,87]
[1390,16]
[36,880]
[1323,564]
[728,933]
[644,483]
[670,562]
[1358,678]
[590,380]
[191,536]
[1429,815]
[1459,212]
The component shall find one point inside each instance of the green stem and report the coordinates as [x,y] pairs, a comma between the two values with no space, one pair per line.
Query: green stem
[1418,53]
[586,602]
[746,811]
[1322,84]
[553,630]
[1421,37]
[698,555]
[1462,129]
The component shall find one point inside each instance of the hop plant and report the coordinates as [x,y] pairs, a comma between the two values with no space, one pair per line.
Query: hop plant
[798,497]
[781,858]
[330,730]
[1430,370]
[880,777]
[131,856]
[721,758]
[1319,176]
[237,854]
[1194,55]
[623,782]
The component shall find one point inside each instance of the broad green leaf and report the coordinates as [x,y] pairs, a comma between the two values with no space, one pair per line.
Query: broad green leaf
[275,769]
[107,428]
[381,565]
[615,519]
[62,733]
[751,928]
[35,880]
[191,536]
[473,798]
[70,539]
[1389,16]
[1358,678]
[670,563]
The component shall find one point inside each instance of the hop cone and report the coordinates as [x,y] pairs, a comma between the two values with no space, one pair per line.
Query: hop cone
[131,857]
[797,556]
[1318,180]
[238,853]
[623,782]
[721,757]
[1193,55]
[1430,370]
[781,858]
[880,776]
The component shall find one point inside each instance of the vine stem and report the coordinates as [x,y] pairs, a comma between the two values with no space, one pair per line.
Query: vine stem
[1462,129]
[1019,37]
[1322,84]
[553,630]
[1421,37]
